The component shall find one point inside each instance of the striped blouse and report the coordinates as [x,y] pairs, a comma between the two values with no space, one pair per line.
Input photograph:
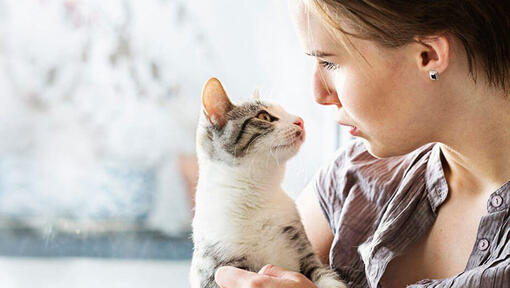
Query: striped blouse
[377,207]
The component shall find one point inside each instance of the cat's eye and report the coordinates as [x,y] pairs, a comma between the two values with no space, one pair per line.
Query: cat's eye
[263,115]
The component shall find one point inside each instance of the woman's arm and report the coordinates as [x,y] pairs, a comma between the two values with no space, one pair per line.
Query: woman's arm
[316,226]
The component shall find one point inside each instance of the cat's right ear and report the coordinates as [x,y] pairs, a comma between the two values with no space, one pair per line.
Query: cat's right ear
[215,102]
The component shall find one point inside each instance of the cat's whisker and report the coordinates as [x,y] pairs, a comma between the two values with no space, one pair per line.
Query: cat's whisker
[273,149]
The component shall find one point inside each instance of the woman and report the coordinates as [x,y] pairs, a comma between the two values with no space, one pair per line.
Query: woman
[424,192]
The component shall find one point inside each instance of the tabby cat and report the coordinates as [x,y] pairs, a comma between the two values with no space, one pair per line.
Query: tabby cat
[243,218]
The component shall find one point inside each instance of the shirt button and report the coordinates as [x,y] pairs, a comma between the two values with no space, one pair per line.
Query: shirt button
[496,201]
[483,244]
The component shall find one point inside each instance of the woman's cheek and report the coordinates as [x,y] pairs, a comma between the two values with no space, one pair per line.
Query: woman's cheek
[348,89]
[358,98]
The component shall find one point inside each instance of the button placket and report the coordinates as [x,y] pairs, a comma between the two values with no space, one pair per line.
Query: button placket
[487,237]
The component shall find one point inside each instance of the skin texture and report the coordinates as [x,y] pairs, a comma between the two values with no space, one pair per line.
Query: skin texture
[388,96]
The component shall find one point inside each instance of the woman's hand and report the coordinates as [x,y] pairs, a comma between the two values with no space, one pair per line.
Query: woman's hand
[268,277]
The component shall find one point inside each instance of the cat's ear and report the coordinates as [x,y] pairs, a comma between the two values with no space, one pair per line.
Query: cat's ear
[215,102]
[256,94]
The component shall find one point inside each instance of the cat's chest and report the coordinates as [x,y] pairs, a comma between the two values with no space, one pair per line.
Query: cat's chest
[269,244]
[255,230]
[241,214]
[251,226]
[259,236]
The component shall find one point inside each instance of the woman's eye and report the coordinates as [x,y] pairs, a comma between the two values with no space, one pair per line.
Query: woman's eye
[328,65]
[265,116]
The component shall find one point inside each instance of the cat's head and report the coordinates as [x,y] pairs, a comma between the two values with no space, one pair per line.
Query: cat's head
[242,133]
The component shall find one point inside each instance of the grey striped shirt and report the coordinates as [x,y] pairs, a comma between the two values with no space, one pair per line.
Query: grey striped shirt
[377,207]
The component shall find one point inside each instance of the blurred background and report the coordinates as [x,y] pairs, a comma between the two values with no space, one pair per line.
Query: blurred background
[99,101]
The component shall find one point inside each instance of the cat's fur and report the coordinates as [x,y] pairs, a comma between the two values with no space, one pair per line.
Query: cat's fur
[243,218]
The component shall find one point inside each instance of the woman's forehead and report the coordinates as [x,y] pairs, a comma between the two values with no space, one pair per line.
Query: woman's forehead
[315,37]
[320,40]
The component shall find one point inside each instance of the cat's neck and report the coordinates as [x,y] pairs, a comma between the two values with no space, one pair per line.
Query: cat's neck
[257,176]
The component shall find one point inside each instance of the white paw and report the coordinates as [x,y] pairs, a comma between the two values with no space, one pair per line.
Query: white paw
[329,282]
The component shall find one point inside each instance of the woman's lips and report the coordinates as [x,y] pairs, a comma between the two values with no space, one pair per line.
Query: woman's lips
[354,130]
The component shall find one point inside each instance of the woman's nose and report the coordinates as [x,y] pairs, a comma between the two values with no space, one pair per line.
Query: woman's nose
[324,92]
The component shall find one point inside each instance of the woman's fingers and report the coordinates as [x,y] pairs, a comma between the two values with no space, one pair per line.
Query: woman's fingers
[269,276]
[231,277]
[275,271]
[266,269]
[227,276]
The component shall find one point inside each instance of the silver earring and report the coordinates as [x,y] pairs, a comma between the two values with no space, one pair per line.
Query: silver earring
[433,75]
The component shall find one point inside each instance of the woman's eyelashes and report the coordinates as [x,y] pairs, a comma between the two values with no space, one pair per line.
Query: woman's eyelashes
[264,115]
[328,65]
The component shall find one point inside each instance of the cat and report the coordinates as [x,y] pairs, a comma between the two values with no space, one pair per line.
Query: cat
[243,218]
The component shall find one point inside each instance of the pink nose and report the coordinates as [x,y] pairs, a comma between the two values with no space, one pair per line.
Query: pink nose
[300,122]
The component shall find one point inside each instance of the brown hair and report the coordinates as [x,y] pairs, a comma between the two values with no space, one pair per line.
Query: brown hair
[480,25]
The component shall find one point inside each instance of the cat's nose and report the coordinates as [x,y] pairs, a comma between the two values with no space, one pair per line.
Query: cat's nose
[300,122]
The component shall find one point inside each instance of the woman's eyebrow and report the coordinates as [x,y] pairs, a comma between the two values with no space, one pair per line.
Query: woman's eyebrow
[319,54]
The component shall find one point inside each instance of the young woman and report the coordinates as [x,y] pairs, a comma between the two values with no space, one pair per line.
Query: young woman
[422,196]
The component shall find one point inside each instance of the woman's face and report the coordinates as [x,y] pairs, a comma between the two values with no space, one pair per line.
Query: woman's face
[380,91]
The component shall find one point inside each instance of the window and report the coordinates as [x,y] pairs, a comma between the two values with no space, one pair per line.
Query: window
[98,109]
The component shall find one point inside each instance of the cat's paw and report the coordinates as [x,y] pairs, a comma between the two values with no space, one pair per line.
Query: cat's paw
[328,281]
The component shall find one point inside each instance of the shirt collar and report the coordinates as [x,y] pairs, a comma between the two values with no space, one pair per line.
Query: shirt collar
[437,187]
[435,180]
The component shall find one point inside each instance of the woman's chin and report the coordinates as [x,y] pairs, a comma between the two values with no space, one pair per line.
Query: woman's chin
[380,150]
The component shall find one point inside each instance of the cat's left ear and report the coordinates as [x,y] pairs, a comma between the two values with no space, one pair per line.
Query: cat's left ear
[256,94]
[215,102]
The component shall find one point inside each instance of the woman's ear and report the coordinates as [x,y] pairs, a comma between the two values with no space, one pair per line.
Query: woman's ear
[215,102]
[434,53]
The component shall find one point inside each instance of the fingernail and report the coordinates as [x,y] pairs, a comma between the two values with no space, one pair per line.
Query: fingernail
[219,271]
[266,269]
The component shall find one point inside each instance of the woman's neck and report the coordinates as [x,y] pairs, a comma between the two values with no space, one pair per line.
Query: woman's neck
[477,143]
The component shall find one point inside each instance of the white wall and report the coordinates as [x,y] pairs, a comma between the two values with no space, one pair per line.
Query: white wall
[255,45]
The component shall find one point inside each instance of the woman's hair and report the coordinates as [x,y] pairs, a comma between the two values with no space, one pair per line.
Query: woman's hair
[482,26]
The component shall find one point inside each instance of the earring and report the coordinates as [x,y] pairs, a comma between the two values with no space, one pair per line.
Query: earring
[433,75]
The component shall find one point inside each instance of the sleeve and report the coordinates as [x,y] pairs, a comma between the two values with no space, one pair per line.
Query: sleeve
[329,181]
[492,275]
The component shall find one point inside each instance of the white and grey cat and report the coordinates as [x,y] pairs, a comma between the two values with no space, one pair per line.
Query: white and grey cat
[243,218]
